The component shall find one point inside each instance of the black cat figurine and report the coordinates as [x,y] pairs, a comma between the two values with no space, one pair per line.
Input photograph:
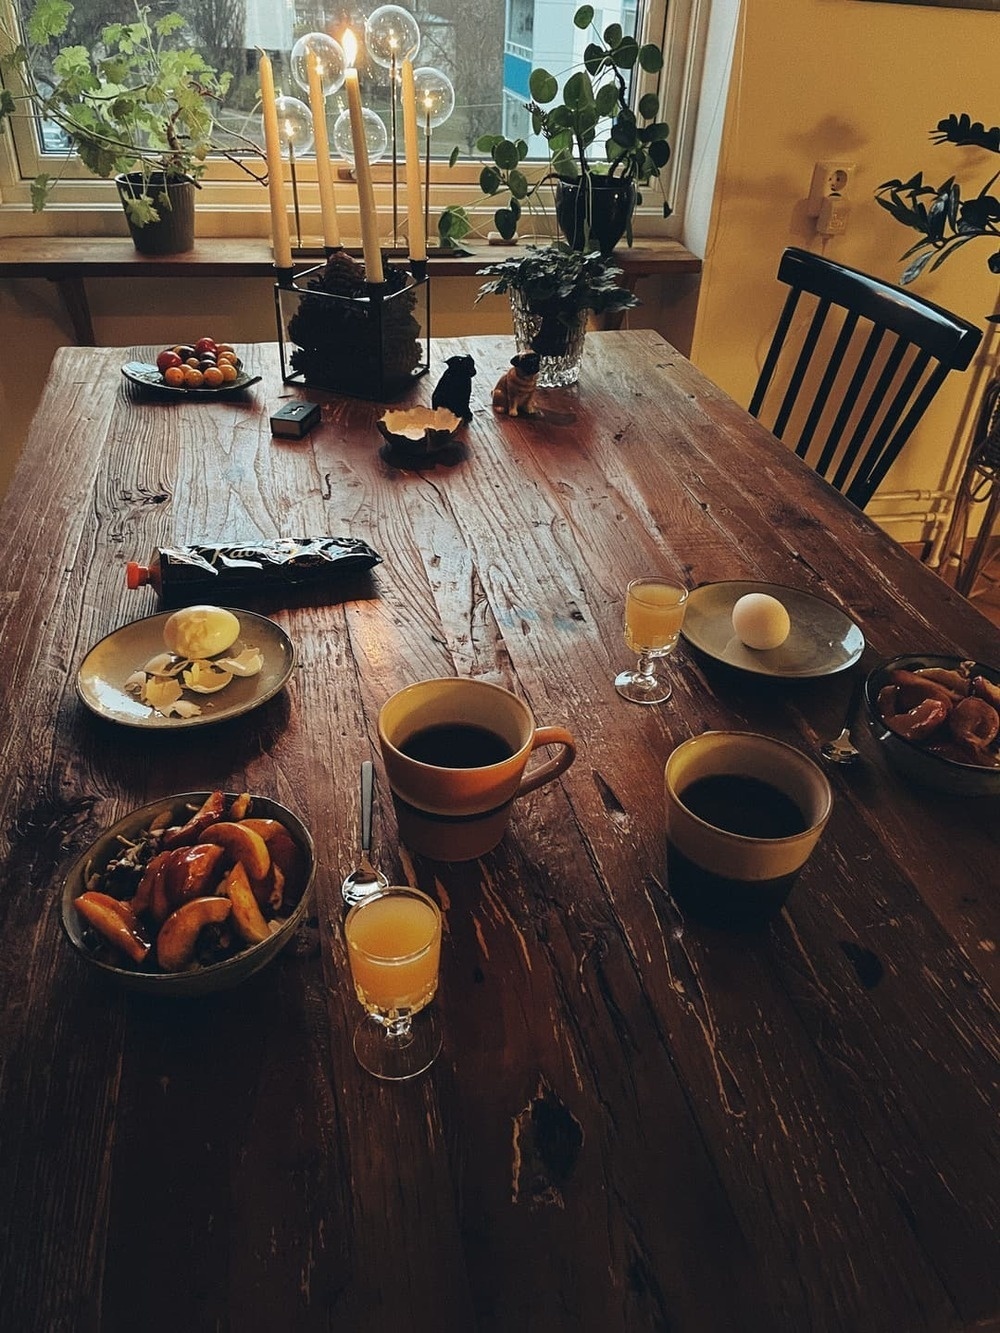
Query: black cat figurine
[454,389]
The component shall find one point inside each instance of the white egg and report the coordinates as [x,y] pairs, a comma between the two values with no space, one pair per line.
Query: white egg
[201,631]
[761,621]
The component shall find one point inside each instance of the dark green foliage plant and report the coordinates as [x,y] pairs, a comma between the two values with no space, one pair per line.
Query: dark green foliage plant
[555,278]
[944,219]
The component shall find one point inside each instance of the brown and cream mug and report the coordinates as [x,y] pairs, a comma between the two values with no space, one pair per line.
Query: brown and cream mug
[744,813]
[455,752]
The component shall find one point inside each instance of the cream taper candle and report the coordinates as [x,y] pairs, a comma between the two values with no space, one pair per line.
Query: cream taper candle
[280,242]
[321,144]
[362,170]
[411,141]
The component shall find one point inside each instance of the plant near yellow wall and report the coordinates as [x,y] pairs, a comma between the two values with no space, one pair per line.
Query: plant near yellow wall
[945,220]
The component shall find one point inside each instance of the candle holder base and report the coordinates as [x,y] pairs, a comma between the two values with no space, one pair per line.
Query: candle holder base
[338,332]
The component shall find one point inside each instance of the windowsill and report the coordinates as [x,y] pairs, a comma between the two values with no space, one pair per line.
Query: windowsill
[70,261]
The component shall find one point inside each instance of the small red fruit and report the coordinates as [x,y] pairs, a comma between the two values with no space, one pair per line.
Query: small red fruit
[205,345]
[166,359]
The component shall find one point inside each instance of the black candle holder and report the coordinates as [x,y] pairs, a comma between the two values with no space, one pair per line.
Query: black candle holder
[336,331]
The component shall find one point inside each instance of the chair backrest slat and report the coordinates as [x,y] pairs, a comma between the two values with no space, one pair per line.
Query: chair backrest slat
[849,400]
[875,401]
[774,351]
[875,391]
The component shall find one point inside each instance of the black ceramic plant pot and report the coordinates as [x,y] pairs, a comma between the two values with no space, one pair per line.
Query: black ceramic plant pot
[594,212]
[174,233]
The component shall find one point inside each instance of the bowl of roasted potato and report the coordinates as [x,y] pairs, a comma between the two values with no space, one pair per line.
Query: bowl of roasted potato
[190,894]
[937,719]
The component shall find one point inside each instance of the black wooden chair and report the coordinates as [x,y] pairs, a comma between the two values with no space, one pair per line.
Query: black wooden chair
[854,387]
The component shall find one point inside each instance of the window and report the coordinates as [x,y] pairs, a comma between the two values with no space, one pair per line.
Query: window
[486,49]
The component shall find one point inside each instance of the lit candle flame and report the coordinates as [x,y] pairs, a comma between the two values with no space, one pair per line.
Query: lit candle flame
[350,44]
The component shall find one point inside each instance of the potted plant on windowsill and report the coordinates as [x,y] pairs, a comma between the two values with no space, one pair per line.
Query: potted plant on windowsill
[944,220]
[594,198]
[139,108]
[552,291]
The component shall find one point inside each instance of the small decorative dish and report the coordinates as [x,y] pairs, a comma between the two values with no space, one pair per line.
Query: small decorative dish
[419,432]
[149,377]
[190,894]
[948,748]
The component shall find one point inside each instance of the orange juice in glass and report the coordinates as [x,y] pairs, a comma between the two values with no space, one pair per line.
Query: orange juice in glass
[654,614]
[394,948]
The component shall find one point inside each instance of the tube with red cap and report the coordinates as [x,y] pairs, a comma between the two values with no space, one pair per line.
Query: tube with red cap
[185,573]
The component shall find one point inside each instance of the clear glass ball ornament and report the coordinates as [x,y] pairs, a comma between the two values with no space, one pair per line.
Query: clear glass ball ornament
[330,62]
[376,135]
[391,32]
[435,96]
[295,127]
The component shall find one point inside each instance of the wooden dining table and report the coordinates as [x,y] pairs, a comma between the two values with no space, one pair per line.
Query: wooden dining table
[635,1122]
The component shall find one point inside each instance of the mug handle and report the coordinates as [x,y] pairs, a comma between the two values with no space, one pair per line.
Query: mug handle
[548,736]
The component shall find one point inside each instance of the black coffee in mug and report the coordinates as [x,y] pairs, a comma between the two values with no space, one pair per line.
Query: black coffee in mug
[742,805]
[743,814]
[456,745]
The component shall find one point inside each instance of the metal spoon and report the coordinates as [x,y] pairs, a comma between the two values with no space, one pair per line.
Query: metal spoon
[841,750]
[365,880]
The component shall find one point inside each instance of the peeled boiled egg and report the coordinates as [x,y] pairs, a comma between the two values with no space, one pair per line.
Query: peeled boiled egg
[761,621]
[200,631]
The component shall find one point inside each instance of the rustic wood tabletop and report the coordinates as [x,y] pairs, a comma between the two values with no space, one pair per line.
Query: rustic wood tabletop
[635,1123]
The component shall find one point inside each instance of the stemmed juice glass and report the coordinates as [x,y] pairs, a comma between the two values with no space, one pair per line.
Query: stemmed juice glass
[654,613]
[394,948]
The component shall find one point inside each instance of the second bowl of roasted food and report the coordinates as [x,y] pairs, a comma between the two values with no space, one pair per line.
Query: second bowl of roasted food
[937,718]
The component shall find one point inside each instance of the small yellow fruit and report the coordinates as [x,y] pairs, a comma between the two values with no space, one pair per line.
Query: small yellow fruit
[200,631]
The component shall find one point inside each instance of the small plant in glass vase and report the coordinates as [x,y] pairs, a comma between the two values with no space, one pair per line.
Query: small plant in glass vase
[945,221]
[552,291]
[594,198]
[139,107]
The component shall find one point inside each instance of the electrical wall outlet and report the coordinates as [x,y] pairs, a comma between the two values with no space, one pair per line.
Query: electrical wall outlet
[829,178]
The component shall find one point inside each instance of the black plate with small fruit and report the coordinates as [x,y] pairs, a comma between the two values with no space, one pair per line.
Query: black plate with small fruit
[148,377]
[204,368]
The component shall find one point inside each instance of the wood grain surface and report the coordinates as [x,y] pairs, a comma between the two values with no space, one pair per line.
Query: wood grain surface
[635,1123]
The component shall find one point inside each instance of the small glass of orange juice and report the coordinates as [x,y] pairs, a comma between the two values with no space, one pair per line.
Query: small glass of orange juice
[394,949]
[654,614]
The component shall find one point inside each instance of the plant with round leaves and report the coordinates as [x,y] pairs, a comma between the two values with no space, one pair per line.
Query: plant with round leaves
[594,101]
[945,220]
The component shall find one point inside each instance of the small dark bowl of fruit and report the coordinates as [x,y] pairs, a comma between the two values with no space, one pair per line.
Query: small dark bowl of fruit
[938,721]
[204,364]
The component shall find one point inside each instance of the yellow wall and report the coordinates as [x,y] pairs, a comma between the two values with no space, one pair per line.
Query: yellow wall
[864,82]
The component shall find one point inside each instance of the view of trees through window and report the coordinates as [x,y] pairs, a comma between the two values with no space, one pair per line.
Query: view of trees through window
[483,46]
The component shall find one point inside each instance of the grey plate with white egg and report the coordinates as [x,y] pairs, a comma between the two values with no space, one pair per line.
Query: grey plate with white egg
[100,681]
[822,640]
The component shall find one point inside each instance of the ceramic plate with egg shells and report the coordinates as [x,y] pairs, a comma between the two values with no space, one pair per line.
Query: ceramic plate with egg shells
[107,681]
[822,639]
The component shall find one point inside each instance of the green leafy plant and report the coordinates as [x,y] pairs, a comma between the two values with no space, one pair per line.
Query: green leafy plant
[945,220]
[594,100]
[557,282]
[142,102]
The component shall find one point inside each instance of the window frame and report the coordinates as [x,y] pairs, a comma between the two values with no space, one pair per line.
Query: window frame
[230,203]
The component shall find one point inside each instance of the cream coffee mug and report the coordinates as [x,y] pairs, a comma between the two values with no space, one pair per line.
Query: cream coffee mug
[455,753]
[744,813]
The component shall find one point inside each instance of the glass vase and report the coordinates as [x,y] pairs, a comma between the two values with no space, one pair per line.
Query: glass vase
[557,338]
